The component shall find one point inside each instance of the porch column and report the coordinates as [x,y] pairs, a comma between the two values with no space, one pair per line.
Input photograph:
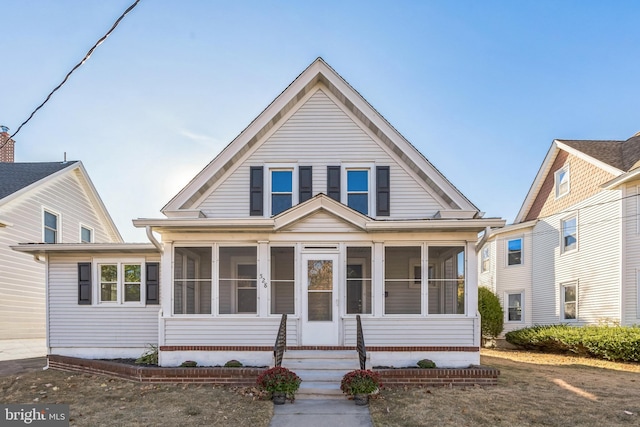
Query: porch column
[471,279]
[166,288]
[263,284]
[378,279]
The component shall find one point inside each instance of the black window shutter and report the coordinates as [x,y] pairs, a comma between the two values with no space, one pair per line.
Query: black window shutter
[255,191]
[333,182]
[305,183]
[84,283]
[383,191]
[153,282]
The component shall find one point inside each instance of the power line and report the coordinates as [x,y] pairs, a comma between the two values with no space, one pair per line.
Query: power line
[78,65]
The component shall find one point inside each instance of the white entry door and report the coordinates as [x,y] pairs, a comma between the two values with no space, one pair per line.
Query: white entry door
[320,299]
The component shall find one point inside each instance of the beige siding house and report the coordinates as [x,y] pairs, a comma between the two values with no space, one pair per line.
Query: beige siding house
[50,203]
[319,210]
[580,230]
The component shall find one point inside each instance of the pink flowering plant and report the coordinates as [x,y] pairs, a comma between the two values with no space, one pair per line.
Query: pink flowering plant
[279,380]
[360,381]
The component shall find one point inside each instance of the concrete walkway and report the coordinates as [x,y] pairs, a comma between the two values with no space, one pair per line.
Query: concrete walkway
[321,413]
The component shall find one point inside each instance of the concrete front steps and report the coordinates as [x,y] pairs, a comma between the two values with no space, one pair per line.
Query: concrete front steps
[321,371]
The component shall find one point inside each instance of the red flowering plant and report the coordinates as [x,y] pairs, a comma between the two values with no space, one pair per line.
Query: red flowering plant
[279,380]
[360,381]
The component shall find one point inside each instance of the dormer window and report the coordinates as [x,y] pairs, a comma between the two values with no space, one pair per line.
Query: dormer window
[562,181]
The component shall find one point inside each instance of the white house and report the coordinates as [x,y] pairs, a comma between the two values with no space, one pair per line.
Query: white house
[319,210]
[50,203]
[572,254]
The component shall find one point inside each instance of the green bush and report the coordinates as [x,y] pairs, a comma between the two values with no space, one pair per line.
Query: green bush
[491,313]
[618,343]
[426,364]
[188,364]
[233,364]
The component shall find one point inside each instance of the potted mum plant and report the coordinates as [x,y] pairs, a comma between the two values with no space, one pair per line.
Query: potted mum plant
[281,383]
[360,384]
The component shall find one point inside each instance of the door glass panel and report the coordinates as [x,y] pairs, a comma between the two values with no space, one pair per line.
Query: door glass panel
[320,290]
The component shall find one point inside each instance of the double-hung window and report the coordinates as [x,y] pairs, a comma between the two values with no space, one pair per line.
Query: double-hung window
[51,224]
[358,190]
[514,251]
[120,282]
[514,307]
[569,228]
[282,193]
[569,301]
[562,181]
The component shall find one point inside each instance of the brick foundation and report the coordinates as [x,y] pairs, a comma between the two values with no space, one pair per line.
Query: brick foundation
[247,376]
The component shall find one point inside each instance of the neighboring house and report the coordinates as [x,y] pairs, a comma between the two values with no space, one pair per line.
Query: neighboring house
[319,210]
[573,253]
[48,203]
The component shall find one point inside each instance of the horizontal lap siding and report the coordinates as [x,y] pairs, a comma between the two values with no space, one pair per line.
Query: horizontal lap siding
[631,254]
[227,332]
[389,331]
[73,325]
[22,287]
[595,265]
[317,135]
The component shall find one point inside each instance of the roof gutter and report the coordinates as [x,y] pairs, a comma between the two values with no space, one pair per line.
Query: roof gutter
[153,239]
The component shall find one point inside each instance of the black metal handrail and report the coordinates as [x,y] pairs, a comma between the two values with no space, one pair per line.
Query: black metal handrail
[362,350]
[281,341]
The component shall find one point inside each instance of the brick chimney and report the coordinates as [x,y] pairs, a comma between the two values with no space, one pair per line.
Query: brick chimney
[6,146]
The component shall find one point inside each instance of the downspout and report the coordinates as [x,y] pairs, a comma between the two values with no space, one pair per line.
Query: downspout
[153,239]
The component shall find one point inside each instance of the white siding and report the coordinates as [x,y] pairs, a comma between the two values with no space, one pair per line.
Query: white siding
[227,331]
[515,278]
[433,331]
[22,298]
[596,265]
[73,325]
[319,134]
[487,278]
[631,254]
[321,222]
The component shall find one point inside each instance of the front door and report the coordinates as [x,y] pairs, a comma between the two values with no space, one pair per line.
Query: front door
[320,299]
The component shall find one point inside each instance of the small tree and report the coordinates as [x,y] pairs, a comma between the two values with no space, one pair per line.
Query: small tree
[492,315]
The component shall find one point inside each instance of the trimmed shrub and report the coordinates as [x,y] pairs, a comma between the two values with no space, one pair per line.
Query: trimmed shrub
[189,364]
[233,364]
[491,313]
[426,364]
[617,343]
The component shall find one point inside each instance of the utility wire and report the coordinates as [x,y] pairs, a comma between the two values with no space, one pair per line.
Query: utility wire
[78,65]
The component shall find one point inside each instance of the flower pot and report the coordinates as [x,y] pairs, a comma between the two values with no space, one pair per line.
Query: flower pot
[279,398]
[361,399]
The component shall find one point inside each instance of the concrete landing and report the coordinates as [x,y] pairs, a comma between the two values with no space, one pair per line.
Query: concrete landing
[321,413]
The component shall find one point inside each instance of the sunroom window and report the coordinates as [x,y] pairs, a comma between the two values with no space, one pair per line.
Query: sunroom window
[402,280]
[282,280]
[446,280]
[358,280]
[192,280]
[238,280]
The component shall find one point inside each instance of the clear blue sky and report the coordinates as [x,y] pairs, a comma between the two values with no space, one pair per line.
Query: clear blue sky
[481,88]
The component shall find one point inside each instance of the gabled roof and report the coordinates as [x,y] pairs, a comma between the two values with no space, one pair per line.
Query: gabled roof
[613,156]
[252,136]
[19,178]
[16,176]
